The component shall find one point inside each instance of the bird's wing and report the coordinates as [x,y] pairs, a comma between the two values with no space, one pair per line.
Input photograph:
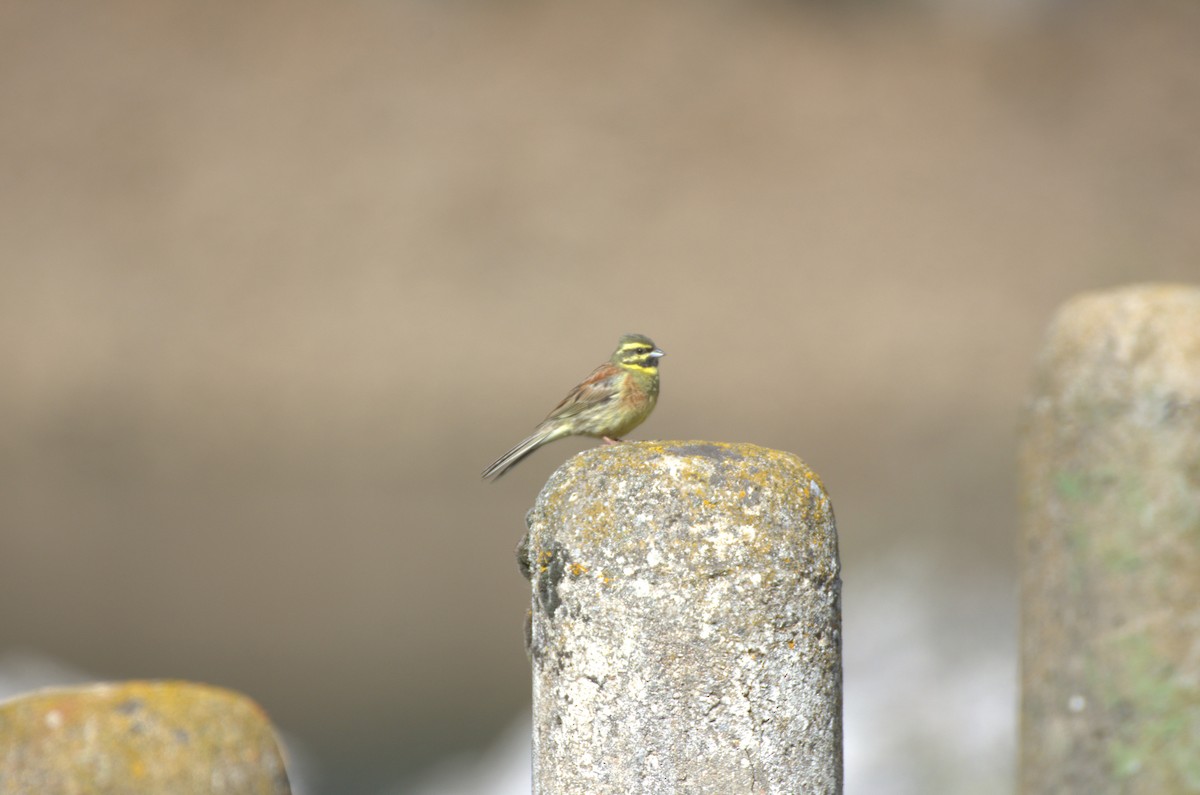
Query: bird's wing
[598,388]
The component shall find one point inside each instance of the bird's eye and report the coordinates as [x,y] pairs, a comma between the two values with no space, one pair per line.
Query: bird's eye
[643,351]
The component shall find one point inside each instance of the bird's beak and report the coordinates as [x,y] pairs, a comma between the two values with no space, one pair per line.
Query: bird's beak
[657,354]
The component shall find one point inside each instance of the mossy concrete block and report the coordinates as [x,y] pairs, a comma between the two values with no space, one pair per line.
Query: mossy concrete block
[138,737]
[1110,484]
[686,623]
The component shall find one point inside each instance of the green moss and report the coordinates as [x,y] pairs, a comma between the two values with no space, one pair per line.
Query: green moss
[1072,485]
[1156,731]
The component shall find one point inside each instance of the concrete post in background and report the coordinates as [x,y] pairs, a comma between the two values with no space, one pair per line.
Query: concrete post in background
[1110,604]
[118,738]
[686,624]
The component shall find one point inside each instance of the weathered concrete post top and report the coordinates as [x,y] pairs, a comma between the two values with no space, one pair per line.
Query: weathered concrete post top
[686,624]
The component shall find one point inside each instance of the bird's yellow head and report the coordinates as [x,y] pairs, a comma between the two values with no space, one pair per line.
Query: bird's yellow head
[638,353]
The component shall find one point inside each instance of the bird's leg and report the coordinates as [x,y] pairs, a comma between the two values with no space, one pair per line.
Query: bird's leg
[609,441]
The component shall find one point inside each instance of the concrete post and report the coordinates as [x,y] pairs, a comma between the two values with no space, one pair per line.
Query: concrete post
[118,738]
[1110,604]
[686,624]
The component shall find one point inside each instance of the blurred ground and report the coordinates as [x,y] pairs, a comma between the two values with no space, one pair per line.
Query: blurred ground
[277,280]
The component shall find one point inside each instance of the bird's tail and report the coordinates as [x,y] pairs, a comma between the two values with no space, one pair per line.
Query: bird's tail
[539,437]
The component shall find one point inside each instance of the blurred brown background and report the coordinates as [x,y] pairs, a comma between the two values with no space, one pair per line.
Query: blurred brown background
[278,279]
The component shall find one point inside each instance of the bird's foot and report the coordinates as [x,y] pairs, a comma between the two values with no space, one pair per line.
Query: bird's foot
[609,441]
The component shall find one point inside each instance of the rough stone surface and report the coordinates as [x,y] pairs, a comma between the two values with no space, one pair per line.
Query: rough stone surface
[1110,481]
[138,737]
[686,623]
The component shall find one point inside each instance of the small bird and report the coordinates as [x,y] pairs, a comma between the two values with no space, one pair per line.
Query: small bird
[608,404]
